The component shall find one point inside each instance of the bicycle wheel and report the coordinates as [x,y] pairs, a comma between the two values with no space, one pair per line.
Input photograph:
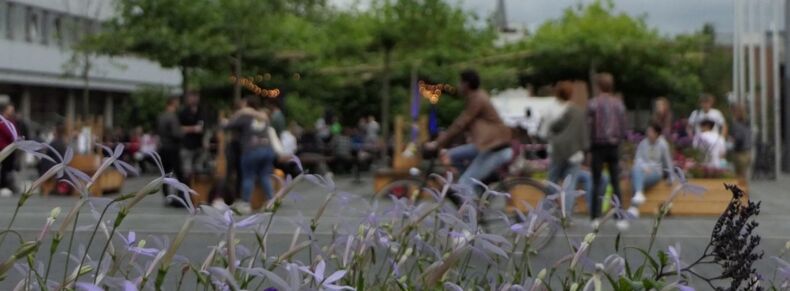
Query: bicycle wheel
[532,192]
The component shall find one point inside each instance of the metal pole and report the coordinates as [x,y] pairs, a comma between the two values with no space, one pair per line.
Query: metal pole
[741,61]
[763,49]
[736,53]
[775,47]
[752,60]
[786,94]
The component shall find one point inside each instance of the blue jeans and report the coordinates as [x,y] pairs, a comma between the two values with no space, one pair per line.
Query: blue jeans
[462,154]
[558,171]
[484,165]
[257,163]
[585,177]
[641,178]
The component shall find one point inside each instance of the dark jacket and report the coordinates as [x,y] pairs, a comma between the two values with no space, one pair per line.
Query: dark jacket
[169,130]
[568,134]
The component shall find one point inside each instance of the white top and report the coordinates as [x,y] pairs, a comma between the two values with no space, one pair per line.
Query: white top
[372,129]
[713,115]
[714,146]
[289,142]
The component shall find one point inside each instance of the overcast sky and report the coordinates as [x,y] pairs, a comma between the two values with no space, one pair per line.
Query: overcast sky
[669,16]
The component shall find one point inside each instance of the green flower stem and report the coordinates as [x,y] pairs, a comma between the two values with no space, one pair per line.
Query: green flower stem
[52,249]
[118,220]
[68,251]
[93,235]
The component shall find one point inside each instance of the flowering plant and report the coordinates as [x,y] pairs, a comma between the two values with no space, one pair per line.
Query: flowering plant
[389,245]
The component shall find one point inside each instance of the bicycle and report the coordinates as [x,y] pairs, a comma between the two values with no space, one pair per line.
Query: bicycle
[415,188]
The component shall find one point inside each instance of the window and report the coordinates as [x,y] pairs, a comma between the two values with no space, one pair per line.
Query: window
[45,27]
[3,17]
[56,34]
[9,20]
[33,25]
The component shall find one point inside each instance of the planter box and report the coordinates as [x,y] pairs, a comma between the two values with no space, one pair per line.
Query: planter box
[204,184]
[110,180]
[712,203]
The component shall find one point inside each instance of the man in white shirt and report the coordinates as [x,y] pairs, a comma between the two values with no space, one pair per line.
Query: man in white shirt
[707,112]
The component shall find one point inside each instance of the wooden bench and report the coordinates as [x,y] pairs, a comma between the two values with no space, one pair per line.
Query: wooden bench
[711,203]
[110,181]
[204,184]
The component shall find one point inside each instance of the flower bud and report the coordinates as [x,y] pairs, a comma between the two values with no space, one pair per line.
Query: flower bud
[54,213]
[542,274]
[141,243]
[589,238]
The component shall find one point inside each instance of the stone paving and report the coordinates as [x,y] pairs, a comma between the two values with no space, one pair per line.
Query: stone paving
[152,218]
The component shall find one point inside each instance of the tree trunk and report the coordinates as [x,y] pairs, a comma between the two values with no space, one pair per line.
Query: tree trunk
[86,85]
[184,80]
[385,102]
[237,73]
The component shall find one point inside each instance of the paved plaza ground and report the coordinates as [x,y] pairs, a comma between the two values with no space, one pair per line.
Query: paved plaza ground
[152,218]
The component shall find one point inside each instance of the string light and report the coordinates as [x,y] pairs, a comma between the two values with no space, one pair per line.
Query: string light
[250,85]
[433,92]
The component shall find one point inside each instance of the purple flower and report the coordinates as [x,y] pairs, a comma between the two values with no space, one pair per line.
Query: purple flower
[122,167]
[328,281]
[222,221]
[674,254]
[84,286]
[322,182]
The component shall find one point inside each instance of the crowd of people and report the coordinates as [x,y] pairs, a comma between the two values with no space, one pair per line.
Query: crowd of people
[585,142]
[260,140]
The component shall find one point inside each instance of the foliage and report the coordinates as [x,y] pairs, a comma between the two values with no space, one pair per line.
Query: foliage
[303,110]
[403,245]
[596,38]
[142,108]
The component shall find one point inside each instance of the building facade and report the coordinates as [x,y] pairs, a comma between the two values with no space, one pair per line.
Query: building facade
[46,79]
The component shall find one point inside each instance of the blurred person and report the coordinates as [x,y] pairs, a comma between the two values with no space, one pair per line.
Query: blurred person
[278,117]
[170,134]
[652,161]
[707,112]
[662,115]
[606,118]
[7,167]
[191,119]
[742,142]
[285,161]
[342,151]
[710,142]
[489,134]
[372,129]
[335,127]
[322,126]
[568,139]
[257,155]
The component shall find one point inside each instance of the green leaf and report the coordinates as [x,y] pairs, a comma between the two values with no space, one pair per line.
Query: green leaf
[648,258]
[663,259]
[649,284]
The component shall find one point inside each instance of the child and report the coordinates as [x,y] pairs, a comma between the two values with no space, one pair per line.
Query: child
[712,144]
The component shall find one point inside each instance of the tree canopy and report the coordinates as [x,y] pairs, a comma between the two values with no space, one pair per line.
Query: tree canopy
[329,58]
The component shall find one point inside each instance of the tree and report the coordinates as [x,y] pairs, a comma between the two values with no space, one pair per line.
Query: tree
[594,38]
[179,34]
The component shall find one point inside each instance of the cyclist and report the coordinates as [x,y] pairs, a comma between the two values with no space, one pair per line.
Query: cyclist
[488,133]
